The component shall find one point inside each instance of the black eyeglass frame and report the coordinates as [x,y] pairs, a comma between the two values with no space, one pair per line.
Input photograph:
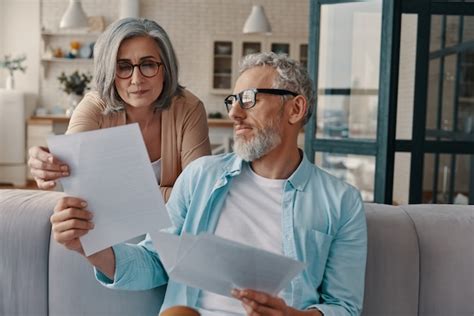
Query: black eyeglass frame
[159,64]
[230,99]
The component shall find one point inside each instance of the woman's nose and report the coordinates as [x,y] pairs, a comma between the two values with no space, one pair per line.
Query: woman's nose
[137,76]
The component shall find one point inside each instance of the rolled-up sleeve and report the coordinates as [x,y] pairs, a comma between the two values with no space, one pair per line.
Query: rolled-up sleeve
[137,267]
[342,288]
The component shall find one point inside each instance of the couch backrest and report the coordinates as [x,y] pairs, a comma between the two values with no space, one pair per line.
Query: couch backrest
[446,242]
[420,260]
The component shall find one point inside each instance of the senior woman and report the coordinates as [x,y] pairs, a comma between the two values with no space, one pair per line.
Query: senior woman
[136,81]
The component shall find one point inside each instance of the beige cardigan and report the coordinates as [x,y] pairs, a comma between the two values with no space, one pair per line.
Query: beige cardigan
[184,131]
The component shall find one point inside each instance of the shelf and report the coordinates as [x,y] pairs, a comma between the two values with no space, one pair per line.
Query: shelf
[68,60]
[47,119]
[75,33]
[222,74]
[222,56]
[49,62]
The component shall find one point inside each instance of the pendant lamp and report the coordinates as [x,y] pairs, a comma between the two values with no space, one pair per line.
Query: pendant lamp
[257,22]
[74,17]
[129,9]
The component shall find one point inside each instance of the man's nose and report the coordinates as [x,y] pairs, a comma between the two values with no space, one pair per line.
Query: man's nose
[236,112]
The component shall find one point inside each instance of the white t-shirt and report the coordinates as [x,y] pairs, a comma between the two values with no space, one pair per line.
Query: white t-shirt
[251,215]
[156,165]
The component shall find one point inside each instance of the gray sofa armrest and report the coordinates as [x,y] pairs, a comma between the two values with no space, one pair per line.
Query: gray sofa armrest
[24,246]
[40,277]
[73,290]
[392,271]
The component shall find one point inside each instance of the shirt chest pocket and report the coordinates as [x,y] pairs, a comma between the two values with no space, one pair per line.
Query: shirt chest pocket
[315,247]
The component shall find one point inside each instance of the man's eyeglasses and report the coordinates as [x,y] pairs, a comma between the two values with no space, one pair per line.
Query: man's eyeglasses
[247,98]
[148,68]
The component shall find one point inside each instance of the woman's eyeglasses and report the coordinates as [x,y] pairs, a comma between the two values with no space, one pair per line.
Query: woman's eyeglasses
[247,98]
[149,69]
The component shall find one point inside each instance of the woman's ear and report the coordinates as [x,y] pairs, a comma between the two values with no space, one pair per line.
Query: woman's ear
[298,109]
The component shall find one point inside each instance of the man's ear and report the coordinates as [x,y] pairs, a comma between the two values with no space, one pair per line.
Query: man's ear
[298,109]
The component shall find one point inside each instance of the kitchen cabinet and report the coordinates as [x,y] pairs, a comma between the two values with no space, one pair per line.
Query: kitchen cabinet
[222,65]
[226,55]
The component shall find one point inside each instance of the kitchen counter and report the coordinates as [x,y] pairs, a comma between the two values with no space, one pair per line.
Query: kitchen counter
[61,119]
[49,119]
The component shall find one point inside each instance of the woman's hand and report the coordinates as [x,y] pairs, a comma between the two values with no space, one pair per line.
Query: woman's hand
[70,221]
[45,168]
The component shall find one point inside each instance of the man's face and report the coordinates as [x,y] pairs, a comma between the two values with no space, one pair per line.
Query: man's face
[257,130]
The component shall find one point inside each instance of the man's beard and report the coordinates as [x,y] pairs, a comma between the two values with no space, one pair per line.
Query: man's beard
[266,139]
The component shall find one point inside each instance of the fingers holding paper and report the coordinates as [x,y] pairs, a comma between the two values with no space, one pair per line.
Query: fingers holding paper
[70,221]
[258,303]
[46,168]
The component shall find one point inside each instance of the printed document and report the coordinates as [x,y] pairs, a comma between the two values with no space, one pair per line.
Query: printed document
[111,170]
[219,265]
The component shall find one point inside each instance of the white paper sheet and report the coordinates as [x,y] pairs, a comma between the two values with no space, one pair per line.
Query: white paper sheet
[218,265]
[111,170]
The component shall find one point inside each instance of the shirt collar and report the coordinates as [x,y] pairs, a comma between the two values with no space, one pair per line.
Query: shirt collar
[302,174]
[234,167]
[298,179]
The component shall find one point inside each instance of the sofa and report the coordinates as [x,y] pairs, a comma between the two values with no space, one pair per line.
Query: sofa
[420,262]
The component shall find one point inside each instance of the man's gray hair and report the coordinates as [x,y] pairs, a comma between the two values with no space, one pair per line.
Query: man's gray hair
[105,59]
[291,75]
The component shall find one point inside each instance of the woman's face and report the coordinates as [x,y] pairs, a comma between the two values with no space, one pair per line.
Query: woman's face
[139,90]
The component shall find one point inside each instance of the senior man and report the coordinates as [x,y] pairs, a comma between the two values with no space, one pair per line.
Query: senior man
[266,194]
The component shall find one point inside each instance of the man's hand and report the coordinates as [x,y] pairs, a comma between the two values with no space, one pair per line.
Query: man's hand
[258,303]
[70,221]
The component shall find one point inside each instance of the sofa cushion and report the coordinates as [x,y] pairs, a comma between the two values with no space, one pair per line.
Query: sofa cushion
[446,238]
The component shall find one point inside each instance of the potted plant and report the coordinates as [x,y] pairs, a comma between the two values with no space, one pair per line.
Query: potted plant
[74,85]
[12,65]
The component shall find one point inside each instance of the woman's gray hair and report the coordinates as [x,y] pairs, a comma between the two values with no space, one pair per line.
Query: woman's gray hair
[105,59]
[291,75]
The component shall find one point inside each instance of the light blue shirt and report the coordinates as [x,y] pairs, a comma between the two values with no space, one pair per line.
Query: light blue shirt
[323,224]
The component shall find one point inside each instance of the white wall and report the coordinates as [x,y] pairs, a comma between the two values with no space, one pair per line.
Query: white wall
[19,34]
[2,28]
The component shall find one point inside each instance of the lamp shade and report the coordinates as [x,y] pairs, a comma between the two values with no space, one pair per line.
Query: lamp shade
[257,22]
[129,9]
[74,17]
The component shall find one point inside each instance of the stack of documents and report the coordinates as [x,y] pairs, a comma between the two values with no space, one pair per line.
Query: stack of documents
[219,265]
